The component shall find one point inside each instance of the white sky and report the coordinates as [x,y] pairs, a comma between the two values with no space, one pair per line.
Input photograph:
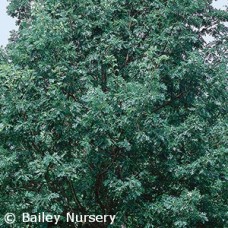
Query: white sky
[7,23]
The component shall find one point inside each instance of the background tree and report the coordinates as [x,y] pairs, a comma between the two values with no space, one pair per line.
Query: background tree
[116,107]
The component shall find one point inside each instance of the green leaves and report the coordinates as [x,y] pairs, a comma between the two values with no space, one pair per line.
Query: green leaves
[115,107]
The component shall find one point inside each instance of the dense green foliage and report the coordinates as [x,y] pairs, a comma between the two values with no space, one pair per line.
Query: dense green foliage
[116,107]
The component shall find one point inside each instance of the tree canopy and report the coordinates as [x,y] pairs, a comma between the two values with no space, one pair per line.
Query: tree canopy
[115,107]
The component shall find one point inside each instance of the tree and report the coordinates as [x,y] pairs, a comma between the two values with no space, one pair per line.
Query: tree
[116,107]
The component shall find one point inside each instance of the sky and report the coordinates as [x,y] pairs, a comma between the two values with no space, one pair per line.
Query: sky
[7,23]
